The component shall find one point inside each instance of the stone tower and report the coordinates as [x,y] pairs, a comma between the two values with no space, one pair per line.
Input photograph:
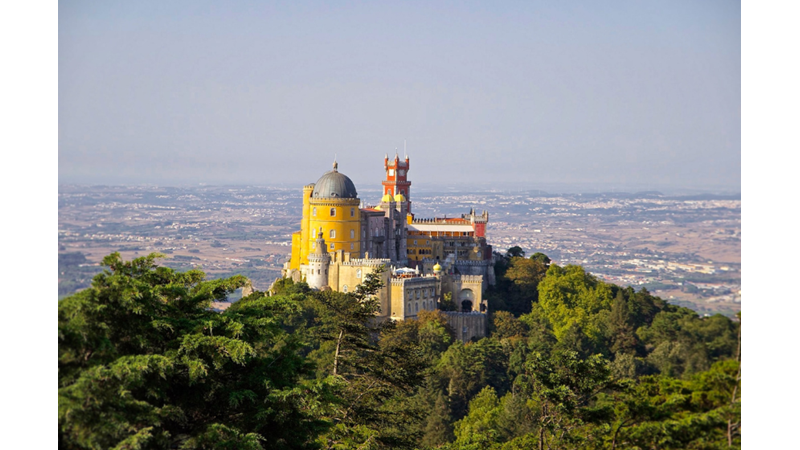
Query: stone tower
[318,264]
[396,182]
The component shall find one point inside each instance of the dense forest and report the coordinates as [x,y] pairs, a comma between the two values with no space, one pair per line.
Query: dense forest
[570,362]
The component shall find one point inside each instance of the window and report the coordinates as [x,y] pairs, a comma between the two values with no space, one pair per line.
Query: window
[352,246]
[314,211]
[344,289]
[333,212]
[332,245]
[391,174]
[333,234]
[358,273]
[415,242]
[409,307]
[352,212]
[314,244]
[417,294]
[352,234]
[416,306]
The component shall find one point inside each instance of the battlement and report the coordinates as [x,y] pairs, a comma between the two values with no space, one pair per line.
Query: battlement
[440,221]
[458,262]
[467,262]
[371,262]
[309,187]
[476,279]
[319,257]
[413,280]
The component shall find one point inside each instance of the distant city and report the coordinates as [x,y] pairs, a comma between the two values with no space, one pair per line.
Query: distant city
[684,248]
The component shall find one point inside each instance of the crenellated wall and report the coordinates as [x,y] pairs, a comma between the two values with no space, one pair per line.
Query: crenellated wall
[468,325]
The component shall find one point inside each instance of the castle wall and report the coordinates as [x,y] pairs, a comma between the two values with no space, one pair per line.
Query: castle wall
[294,262]
[468,325]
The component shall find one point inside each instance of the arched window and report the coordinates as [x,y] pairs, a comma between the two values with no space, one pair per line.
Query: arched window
[409,307]
[352,246]
[333,234]
[333,212]
[314,211]
[352,234]
[358,273]
[416,306]
[344,289]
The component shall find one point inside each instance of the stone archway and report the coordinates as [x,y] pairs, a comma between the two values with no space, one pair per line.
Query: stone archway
[467,299]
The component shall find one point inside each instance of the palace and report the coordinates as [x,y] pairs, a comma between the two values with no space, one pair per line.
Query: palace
[341,240]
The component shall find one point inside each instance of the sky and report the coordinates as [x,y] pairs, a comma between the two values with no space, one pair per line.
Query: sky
[603,95]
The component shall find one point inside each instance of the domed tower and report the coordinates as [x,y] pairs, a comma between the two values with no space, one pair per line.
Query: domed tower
[333,209]
[318,264]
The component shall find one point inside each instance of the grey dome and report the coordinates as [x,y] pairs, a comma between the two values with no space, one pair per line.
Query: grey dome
[334,185]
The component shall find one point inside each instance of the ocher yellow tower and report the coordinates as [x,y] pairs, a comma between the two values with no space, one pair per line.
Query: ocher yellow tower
[330,206]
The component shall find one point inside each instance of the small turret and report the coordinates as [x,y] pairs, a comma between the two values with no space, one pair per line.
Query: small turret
[318,264]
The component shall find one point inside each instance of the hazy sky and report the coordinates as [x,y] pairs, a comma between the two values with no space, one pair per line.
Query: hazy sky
[619,94]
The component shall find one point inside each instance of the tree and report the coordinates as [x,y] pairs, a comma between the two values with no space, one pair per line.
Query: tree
[439,426]
[505,325]
[447,303]
[570,295]
[142,358]
[515,252]
[541,257]
[372,375]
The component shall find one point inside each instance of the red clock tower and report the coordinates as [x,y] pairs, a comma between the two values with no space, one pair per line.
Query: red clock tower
[396,181]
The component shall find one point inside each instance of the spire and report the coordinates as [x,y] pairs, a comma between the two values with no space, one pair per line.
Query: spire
[335,164]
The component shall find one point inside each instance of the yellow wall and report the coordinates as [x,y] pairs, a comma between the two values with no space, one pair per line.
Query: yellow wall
[294,263]
[304,230]
[423,243]
[342,223]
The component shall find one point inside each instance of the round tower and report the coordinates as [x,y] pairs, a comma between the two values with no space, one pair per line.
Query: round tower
[334,210]
[318,263]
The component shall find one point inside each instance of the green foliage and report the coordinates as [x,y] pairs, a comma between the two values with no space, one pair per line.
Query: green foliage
[515,252]
[145,363]
[142,359]
[506,326]
[517,280]
[571,296]
[447,303]
[373,366]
